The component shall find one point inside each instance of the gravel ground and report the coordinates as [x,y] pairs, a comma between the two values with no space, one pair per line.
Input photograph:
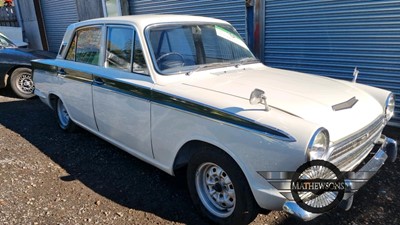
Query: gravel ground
[51,177]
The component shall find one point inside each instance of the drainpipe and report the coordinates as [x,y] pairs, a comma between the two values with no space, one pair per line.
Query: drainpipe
[19,17]
[250,24]
[259,29]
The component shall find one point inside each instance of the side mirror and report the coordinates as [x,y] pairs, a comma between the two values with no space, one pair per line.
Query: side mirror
[258,96]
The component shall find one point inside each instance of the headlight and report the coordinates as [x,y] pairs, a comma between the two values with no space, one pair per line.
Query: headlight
[390,104]
[319,145]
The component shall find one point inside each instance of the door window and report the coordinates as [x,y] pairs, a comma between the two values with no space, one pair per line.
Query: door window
[139,63]
[85,47]
[119,48]
[119,54]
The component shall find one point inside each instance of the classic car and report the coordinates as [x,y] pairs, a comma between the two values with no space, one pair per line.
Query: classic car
[186,93]
[15,67]
[4,40]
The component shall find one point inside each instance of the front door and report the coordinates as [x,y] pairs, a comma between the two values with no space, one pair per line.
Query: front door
[121,92]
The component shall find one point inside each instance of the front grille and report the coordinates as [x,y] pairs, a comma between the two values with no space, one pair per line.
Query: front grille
[347,154]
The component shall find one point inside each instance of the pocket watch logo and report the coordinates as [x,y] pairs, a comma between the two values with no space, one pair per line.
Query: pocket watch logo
[318,186]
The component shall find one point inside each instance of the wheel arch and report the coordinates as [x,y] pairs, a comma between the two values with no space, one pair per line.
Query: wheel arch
[10,71]
[192,146]
[53,100]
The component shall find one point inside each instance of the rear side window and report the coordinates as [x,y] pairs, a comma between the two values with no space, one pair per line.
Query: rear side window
[71,51]
[85,47]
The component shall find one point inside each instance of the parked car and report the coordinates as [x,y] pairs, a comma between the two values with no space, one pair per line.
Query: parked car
[185,92]
[15,67]
[5,41]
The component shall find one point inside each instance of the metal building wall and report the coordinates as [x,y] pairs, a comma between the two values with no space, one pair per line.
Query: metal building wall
[330,38]
[57,15]
[233,11]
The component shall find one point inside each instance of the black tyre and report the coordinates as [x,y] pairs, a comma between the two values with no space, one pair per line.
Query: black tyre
[219,188]
[63,119]
[21,83]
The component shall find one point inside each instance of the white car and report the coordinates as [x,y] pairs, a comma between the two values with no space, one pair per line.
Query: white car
[186,92]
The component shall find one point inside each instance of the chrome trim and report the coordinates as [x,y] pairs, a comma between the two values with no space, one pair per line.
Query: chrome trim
[371,167]
[391,149]
[358,133]
[292,208]
[356,147]
[391,95]
[312,140]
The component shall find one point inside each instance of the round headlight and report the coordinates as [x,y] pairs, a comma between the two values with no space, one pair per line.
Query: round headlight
[390,104]
[319,145]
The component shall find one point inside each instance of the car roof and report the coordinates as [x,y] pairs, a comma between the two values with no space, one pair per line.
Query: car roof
[147,19]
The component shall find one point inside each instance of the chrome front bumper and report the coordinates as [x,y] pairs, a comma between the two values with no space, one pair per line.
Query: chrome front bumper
[388,151]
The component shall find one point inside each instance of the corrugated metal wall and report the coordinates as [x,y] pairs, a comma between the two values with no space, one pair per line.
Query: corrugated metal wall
[330,38]
[57,15]
[233,11]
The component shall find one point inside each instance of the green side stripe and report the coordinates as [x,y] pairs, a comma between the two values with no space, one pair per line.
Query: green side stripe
[187,105]
[174,102]
[197,108]
[125,88]
[79,76]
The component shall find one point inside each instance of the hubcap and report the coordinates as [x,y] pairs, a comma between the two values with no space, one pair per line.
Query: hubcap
[62,114]
[215,189]
[25,83]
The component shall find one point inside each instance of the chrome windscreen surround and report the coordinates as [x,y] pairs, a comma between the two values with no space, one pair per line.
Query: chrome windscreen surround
[349,153]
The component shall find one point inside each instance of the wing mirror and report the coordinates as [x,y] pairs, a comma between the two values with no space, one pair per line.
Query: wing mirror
[258,97]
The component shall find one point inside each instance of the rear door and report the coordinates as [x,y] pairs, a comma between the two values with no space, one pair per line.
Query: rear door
[121,92]
[75,75]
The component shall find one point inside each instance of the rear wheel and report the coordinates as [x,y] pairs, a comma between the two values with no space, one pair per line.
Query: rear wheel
[64,121]
[219,188]
[21,83]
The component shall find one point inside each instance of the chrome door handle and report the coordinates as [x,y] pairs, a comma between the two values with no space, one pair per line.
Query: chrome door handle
[61,73]
[98,81]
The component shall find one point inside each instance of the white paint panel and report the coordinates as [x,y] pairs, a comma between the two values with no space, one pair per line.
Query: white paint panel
[123,118]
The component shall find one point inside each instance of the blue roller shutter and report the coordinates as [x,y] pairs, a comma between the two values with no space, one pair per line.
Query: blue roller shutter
[57,15]
[330,38]
[233,11]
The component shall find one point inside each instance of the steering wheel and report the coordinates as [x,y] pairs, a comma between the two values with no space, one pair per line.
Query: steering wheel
[181,58]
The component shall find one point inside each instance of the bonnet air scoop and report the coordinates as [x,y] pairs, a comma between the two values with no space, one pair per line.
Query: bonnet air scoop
[345,105]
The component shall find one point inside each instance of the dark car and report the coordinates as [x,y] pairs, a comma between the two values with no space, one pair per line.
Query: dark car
[15,67]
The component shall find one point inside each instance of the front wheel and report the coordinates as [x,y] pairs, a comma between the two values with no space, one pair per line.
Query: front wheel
[219,188]
[21,83]
[63,119]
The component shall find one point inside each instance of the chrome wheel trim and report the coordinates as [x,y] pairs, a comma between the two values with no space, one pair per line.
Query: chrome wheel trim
[62,113]
[215,190]
[25,83]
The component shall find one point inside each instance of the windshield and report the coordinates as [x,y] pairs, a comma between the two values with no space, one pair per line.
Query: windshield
[5,42]
[184,48]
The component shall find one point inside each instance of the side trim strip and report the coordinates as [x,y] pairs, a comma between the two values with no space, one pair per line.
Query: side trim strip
[129,89]
[175,102]
[197,108]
